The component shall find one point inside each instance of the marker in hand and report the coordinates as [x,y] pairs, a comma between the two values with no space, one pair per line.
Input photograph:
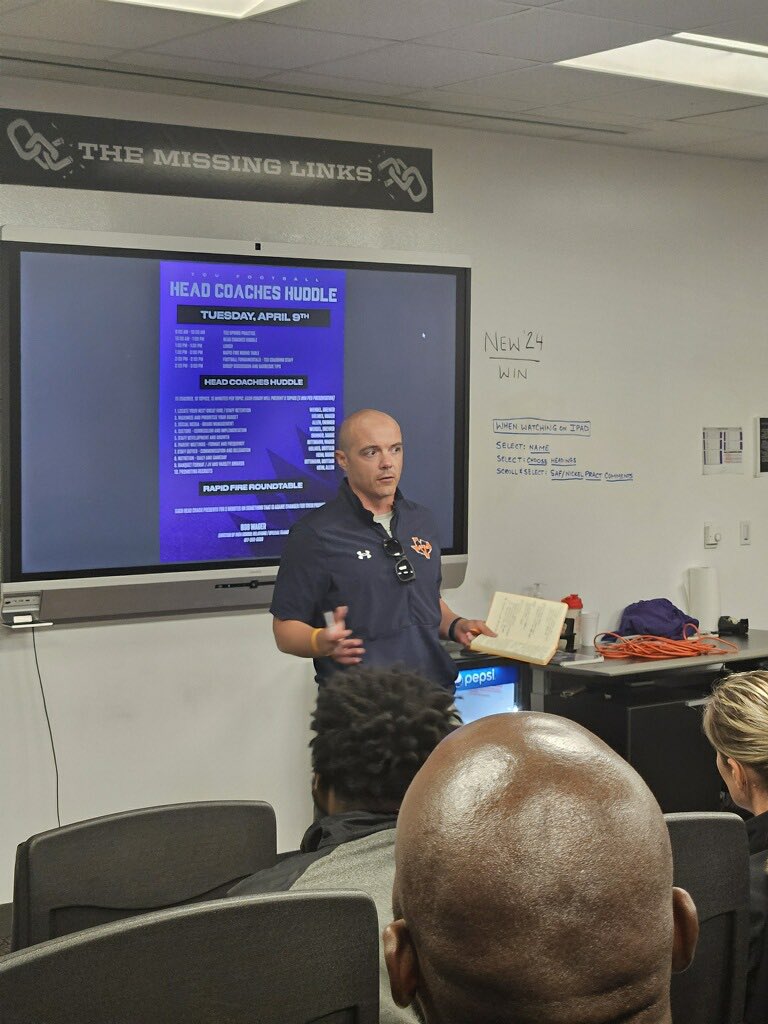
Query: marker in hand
[346,649]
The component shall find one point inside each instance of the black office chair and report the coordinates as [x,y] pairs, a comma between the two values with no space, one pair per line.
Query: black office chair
[113,867]
[711,860]
[287,958]
[756,1009]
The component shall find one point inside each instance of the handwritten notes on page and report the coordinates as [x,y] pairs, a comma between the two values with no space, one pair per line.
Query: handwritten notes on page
[528,628]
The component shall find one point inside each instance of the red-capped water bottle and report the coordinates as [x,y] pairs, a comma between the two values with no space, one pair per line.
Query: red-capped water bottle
[575,604]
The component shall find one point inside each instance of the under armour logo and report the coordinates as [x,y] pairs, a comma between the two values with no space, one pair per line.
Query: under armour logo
[364,554]
[36,147]
[409,179]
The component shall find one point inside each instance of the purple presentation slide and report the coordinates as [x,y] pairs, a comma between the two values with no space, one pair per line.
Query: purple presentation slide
[251,378]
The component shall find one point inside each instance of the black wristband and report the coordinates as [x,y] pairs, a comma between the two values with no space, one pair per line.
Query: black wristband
[452,627]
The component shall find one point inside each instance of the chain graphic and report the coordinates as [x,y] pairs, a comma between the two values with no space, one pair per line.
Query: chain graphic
[409,179]
[36,147]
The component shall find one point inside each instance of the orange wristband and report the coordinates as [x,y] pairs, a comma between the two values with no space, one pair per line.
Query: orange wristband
[313,641]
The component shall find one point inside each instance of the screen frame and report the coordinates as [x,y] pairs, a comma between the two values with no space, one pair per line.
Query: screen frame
[159,589]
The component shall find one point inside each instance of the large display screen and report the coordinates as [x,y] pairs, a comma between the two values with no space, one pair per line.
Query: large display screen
[169,410]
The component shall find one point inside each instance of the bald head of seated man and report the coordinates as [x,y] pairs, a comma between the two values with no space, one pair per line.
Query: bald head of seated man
[534,883]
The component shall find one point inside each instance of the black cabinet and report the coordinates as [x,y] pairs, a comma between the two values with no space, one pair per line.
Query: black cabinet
[667,747]
[656,727]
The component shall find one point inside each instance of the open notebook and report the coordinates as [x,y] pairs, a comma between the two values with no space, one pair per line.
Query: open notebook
[528,628]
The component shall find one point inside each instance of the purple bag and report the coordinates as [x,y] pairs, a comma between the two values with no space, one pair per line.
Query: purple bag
[657,617]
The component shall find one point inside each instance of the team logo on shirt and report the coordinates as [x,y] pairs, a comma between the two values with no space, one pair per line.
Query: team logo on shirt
[364,554]
[421,547]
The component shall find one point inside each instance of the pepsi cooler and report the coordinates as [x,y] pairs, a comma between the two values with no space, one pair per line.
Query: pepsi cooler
[487,685]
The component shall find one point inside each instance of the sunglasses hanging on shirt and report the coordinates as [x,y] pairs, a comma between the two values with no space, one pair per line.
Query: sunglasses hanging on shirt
[403,568]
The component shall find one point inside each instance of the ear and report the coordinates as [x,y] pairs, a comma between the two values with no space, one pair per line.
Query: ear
[341,458]
[738,773]
[686,929]
[402,962]
[319,794]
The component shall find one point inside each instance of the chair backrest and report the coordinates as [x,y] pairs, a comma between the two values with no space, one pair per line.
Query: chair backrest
[116,866]
[756,1010]
[287,958]
[711,860]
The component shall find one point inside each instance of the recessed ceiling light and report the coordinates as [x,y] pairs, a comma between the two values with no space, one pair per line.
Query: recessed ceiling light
[706,62]
[217,8]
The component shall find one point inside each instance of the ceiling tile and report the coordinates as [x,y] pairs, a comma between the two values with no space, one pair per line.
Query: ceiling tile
[749,147]
[683,134]
[678,138]
[13,5]
[421,67]
[413,115]
[583,129]
[257,44]
[188,67]
[445,99]
[10,68]
[576,113]
[543,131]
[348,87]
[518,117]
[101,78]
[542,85]
[751,28]
[28,46]
[751,119]
[544,34]
[132,82]
[223,93]
[98,23]
[256,98]
[392,19]
[669,102]
[678,15]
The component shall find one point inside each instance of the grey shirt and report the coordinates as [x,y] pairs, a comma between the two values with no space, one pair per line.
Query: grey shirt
[352,850]
[368,865]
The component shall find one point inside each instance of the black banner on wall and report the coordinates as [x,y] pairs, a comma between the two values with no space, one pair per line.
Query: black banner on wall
[60,151]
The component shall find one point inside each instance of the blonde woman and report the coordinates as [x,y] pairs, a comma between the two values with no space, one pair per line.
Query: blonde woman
[736,724]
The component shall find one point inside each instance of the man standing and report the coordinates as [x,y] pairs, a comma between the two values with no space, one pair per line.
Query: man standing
[368,563]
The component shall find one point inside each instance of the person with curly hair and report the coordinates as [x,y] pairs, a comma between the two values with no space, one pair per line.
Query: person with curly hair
[736,724]
[374,729]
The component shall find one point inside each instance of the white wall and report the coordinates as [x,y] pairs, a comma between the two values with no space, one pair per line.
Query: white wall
[643,273]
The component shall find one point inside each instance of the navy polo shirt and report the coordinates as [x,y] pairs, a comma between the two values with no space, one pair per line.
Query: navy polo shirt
[335,556]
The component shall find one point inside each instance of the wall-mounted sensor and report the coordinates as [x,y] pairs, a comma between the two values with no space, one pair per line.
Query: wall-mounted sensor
[712,535]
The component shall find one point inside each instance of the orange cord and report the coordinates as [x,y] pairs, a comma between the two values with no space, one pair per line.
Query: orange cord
[657,648]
